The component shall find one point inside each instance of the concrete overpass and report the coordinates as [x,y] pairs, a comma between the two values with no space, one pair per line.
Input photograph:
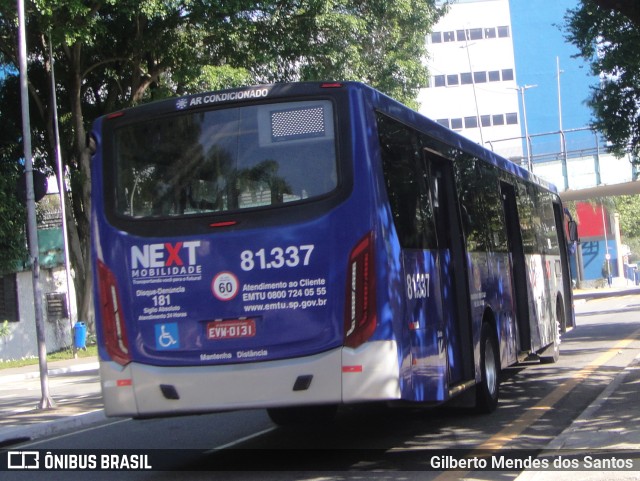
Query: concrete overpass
[585,171]
[589,176]
[609,190]
[577,161]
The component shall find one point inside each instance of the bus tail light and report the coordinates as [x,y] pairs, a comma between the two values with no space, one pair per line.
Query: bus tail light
[113,325]
[360,306]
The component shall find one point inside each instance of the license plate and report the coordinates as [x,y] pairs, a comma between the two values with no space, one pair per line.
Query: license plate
[231,329]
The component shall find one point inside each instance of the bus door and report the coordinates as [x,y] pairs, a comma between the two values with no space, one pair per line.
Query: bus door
[454,286]
[518,267]
[567,316]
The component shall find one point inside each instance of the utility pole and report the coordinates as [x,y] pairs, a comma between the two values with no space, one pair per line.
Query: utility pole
[32,228]
[563,138]
[473,84]
[62,192]
[526,127]
[558,72]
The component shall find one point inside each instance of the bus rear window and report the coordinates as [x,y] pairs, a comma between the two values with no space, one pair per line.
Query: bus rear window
[225,160]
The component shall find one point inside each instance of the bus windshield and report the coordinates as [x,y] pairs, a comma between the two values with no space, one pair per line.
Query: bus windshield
[224,160]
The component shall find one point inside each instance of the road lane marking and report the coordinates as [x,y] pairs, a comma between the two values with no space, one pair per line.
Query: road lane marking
[118,421]
[74,432]
[533,414]
[241,440]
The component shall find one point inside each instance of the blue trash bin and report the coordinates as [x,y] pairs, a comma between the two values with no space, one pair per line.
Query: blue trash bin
[80,335]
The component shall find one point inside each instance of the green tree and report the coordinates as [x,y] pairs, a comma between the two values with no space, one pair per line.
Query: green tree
[628,207]
[628,8]
[111,54]
[607,34]
[13,241]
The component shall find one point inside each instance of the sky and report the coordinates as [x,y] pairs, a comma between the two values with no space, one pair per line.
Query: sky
[538,40]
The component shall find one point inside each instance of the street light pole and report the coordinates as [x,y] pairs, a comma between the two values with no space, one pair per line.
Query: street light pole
[558,72]
[563,138]
[62,192]
[526,127]
[473,84]
[32,229]
[607,257]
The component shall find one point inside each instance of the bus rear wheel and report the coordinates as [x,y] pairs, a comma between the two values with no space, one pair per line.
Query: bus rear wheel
[488,391]
[303,415]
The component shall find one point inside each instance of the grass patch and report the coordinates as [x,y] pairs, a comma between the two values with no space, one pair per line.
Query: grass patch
[91,350]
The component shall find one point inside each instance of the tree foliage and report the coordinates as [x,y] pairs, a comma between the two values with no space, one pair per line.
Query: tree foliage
[111,54]
[13,240]
[628,8]
[607,34]
[628,207]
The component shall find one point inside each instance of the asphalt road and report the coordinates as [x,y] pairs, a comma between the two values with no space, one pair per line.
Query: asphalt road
[377,442]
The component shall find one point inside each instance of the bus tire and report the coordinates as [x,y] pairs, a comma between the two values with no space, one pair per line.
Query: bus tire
[488,390]
[303,415]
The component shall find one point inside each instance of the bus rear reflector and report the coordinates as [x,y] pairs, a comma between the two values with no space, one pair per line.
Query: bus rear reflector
[113,323]
[360,307]
[357,368]
[115,115]
[228,223]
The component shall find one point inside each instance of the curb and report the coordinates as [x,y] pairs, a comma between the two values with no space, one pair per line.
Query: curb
[560,441]
[605,292]
[93,366]
[563,438]
[51,428]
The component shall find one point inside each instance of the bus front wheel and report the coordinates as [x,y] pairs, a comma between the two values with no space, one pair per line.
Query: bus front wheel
[488,390]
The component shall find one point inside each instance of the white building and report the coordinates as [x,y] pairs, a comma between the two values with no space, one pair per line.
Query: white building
[17,304]
[473,88]
[17,293]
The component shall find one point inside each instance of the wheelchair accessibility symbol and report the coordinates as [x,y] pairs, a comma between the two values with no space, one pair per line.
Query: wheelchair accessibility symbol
[167,336]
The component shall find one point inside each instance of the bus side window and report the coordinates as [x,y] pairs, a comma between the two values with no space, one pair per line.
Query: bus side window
[407,185]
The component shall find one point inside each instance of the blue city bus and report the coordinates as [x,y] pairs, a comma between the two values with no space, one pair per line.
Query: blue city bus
[302,246]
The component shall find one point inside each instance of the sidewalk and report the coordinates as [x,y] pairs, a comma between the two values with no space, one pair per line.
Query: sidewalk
[74,387]
[601,293]
[609,427]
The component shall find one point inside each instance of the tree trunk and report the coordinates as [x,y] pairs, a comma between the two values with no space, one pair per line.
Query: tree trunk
[81,192]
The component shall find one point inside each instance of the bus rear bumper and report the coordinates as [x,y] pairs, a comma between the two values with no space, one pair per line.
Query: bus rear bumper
[340,375]
[371,372]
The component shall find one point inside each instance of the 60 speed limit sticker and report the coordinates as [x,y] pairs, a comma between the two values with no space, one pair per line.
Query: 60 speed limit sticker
[225,286]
